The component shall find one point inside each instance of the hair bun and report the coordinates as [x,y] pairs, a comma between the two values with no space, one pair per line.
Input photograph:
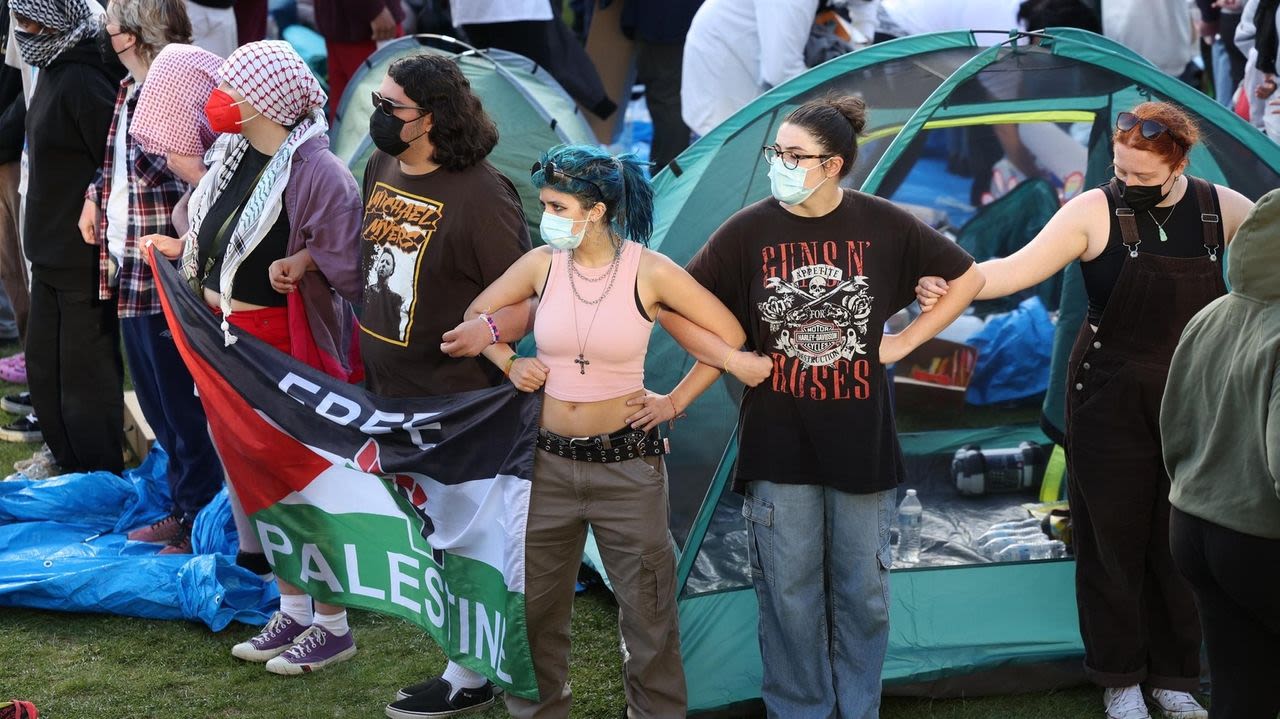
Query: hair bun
[854,110]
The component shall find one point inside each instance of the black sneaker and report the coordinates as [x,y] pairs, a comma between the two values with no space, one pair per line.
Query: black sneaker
[19,404]
[26,429]
[435,698]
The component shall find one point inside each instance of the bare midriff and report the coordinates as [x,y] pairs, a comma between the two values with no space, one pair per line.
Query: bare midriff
[585,419]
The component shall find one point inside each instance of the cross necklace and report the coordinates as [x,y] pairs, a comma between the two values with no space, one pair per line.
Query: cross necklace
[582,360]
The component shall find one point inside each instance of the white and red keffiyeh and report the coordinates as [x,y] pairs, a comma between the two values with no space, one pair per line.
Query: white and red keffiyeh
[275,80]
[170,113]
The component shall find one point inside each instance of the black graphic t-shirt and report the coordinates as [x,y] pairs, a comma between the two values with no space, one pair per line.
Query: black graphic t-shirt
[813,293]
[429,245]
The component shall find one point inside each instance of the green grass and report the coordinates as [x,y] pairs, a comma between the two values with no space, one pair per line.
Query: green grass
[76,666]
[88,666]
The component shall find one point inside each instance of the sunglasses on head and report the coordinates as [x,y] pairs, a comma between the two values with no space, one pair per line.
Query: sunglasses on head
[388,107]
[1150,129]
[554,175]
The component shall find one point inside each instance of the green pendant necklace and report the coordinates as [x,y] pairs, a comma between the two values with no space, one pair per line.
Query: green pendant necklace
[1160,225]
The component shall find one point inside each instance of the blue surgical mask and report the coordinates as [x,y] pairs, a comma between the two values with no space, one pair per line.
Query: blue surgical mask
[558,232]
[787,184]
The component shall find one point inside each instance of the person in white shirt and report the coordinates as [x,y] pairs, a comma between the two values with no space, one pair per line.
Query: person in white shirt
[900,18]
[1159,30]
[737,49]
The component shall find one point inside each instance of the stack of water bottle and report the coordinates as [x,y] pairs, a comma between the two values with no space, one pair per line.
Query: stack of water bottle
[1019,541]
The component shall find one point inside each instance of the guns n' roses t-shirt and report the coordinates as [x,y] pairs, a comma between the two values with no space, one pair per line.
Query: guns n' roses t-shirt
[813,293]
[429,245]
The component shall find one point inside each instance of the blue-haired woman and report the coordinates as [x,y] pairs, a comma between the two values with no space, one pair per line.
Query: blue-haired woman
[599,458]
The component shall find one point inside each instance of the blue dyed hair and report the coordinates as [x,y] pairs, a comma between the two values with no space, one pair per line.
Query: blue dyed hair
[627,194]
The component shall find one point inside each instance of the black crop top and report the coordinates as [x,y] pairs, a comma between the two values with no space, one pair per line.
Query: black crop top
[252,285]
[1183,228]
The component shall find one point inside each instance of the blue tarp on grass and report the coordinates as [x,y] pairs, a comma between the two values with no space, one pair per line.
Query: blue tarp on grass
[63,547]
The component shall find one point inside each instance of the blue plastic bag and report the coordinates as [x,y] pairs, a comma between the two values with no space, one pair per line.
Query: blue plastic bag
[1014,352]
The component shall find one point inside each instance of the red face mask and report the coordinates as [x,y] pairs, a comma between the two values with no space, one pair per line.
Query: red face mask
[223,114]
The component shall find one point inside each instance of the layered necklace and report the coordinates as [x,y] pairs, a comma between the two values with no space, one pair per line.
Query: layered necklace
[574,272]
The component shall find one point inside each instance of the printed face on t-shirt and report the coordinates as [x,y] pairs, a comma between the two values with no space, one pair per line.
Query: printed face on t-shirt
[398,225]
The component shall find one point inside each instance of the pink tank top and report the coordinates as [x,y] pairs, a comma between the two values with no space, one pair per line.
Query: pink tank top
[604,359]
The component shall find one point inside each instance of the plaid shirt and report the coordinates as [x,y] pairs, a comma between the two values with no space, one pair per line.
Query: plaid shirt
[153,193]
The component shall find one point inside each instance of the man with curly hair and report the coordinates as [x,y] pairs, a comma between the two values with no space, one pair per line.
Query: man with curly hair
[440,225]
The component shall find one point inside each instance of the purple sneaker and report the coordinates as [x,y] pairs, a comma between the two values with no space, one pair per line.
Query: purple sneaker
[315,649]
[279,634]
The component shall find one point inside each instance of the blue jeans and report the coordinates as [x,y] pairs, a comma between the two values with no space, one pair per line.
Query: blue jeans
[167,396]
[820,564]
[1223,85]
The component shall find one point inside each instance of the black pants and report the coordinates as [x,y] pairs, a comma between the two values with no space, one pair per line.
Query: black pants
[76,376]
[1236,580]
[658,67]
[551,44]
[166,393]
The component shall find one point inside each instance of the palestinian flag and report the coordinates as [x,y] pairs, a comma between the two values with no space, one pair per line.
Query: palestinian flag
[409,507]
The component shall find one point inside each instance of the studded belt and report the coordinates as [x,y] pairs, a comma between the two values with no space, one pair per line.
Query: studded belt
[620,446]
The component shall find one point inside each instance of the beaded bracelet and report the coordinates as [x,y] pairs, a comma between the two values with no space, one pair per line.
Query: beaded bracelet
[493,327]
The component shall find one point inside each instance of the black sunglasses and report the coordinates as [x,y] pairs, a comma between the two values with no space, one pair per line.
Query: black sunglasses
[1151,129]
[554,175]
[387,107]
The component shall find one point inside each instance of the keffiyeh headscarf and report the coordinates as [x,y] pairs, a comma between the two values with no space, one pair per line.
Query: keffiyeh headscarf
[278,84]
[70,20]
[170,115]
[275,79]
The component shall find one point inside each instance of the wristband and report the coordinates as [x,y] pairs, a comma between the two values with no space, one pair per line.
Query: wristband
[510,361]
[493,327]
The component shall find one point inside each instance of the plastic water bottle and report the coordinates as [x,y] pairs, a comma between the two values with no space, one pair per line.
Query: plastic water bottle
[910,516]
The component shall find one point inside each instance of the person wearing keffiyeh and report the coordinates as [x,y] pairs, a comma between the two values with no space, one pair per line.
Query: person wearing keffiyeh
[133,196]
[74,368]
[275,205]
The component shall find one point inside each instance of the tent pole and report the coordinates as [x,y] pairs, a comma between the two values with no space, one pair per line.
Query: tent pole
[693,544]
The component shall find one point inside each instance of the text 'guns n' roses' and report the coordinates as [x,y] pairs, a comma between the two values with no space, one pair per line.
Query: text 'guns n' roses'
[818,307]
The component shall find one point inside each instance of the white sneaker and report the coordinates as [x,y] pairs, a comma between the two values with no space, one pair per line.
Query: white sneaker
[1177,705]
[1126,703]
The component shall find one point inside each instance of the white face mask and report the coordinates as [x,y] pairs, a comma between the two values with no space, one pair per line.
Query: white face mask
[787,184]
[558,232]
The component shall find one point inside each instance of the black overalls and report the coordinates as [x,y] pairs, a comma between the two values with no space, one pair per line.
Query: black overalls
[1137,614]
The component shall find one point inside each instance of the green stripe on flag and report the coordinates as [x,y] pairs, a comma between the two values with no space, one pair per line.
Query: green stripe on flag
[382,563]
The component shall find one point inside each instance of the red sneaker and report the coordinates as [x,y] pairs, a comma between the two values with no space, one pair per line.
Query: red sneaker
[180,544]
[162,532]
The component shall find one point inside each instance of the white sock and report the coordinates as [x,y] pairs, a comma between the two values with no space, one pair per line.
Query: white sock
[335,624]
[297,606]
[459,677]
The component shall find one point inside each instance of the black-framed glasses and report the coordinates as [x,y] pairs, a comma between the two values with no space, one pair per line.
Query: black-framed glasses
[1150,129]
[790,160]
[554,175]
[388,107]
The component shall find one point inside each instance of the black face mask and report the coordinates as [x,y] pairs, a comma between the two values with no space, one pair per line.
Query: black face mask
[385,130]
[1141,198]
[110,57]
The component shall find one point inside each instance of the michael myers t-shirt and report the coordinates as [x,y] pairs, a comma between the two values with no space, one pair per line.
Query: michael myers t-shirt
[813,293]
[429,245]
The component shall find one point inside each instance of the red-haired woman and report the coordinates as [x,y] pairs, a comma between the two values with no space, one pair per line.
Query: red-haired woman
[1150,245]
